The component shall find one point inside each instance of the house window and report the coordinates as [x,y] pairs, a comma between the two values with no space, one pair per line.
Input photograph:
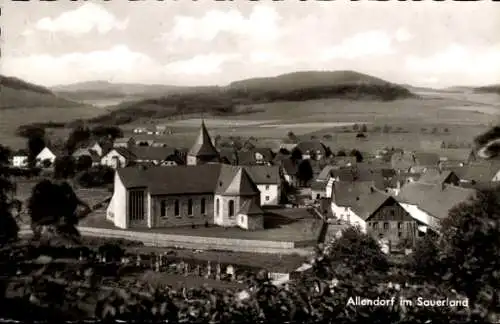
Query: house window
[163,208]
[400,225]
[190,207]
[386,226]
[242,219]
[217,206]
[267,198]
[400,234]
[231,208]
[136,205]
[203,206]
[392,212]
[267,187]
[177,209]
[375,225]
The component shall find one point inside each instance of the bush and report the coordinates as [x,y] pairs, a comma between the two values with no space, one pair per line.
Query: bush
[96,177]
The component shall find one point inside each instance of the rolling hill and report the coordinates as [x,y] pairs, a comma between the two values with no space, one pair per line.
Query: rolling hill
[495,88]
[16,93]
[106,90]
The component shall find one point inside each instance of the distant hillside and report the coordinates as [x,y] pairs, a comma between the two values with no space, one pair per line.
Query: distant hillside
[16,93]
[236,97]
[106,90]
[488,89]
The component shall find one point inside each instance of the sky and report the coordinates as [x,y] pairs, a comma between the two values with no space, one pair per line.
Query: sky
[207,42]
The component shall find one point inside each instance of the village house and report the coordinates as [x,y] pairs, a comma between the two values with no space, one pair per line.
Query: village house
[477,172]
[203,194]
[92,154]
[313,150]
[256,156]
[268,181]
[429,203]
[375,212]
[415,162]
[203,151]
[20,159]
[49,155]
[118,157]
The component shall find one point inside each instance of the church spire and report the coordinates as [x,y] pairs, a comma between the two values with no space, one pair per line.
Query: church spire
[203,147]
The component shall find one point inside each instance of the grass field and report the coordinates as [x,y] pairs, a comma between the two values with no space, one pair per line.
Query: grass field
[465,115]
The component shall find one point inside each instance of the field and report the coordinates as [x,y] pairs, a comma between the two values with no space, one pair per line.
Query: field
[456,117]
[464,115]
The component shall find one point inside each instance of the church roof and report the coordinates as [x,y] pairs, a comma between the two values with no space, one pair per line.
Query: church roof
[236,181]
[203,145]
[250,207]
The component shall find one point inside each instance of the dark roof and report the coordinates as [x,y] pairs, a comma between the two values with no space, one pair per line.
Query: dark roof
[123,139]
[172,179]
[125,152]
[426,158]
[230,154]
[203,145]
[436,176]
[250,207]
[290,166]
[406,160]
[263,174]
[247,157]
[325,173]
[235,180]
[149,153]
[311,147]
[437,200]
[454,154]
[479,172]
[362,197]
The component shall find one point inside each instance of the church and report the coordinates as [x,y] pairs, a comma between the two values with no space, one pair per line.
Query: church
[203,192]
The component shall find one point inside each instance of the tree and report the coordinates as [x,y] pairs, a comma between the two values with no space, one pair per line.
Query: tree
[434,130]
[64,167]
[8,225]
[29,131]
[446,130]
[341,153]
[291,136]
[77,136]
[83,163]
[55,205]
[355,127]
[296,154]
[469,250]
[364,129]
[110,132]
[36,143]
[360,135]
[96,177]
[305,171]
[357,154]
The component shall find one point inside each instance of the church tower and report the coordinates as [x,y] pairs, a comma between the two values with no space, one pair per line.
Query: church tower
[203,150]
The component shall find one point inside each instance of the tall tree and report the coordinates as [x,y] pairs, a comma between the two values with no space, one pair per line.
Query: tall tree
[64,167]
[78,136]
[8,225]
[36,144]
[305,171]
[56,206]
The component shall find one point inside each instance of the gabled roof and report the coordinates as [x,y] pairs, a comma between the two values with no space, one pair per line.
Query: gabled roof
[250,207]
[123,151]
[203,145]
[325,173]
[361,197]
[311,147]
[56,151]
[263,174]
[436,176]
[236,181]
[479,172]
[149,153]
[437,200]
[171,180]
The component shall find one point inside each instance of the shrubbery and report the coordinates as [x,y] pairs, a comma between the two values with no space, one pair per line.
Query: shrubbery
[97,176]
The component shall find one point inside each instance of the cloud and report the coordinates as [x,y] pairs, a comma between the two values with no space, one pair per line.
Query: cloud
[82,20]
[372,43]
[262,24]
[118,62]
[271,57]
[403,35]
[203,64]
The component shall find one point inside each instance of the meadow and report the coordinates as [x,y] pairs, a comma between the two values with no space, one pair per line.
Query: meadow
[463,115]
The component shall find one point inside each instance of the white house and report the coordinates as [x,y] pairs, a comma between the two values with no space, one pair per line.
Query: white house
[268,181]
[20,159]
[118,157]
[47,154]
[430,203]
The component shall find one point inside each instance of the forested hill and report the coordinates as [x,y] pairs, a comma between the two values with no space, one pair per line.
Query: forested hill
[16,93]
